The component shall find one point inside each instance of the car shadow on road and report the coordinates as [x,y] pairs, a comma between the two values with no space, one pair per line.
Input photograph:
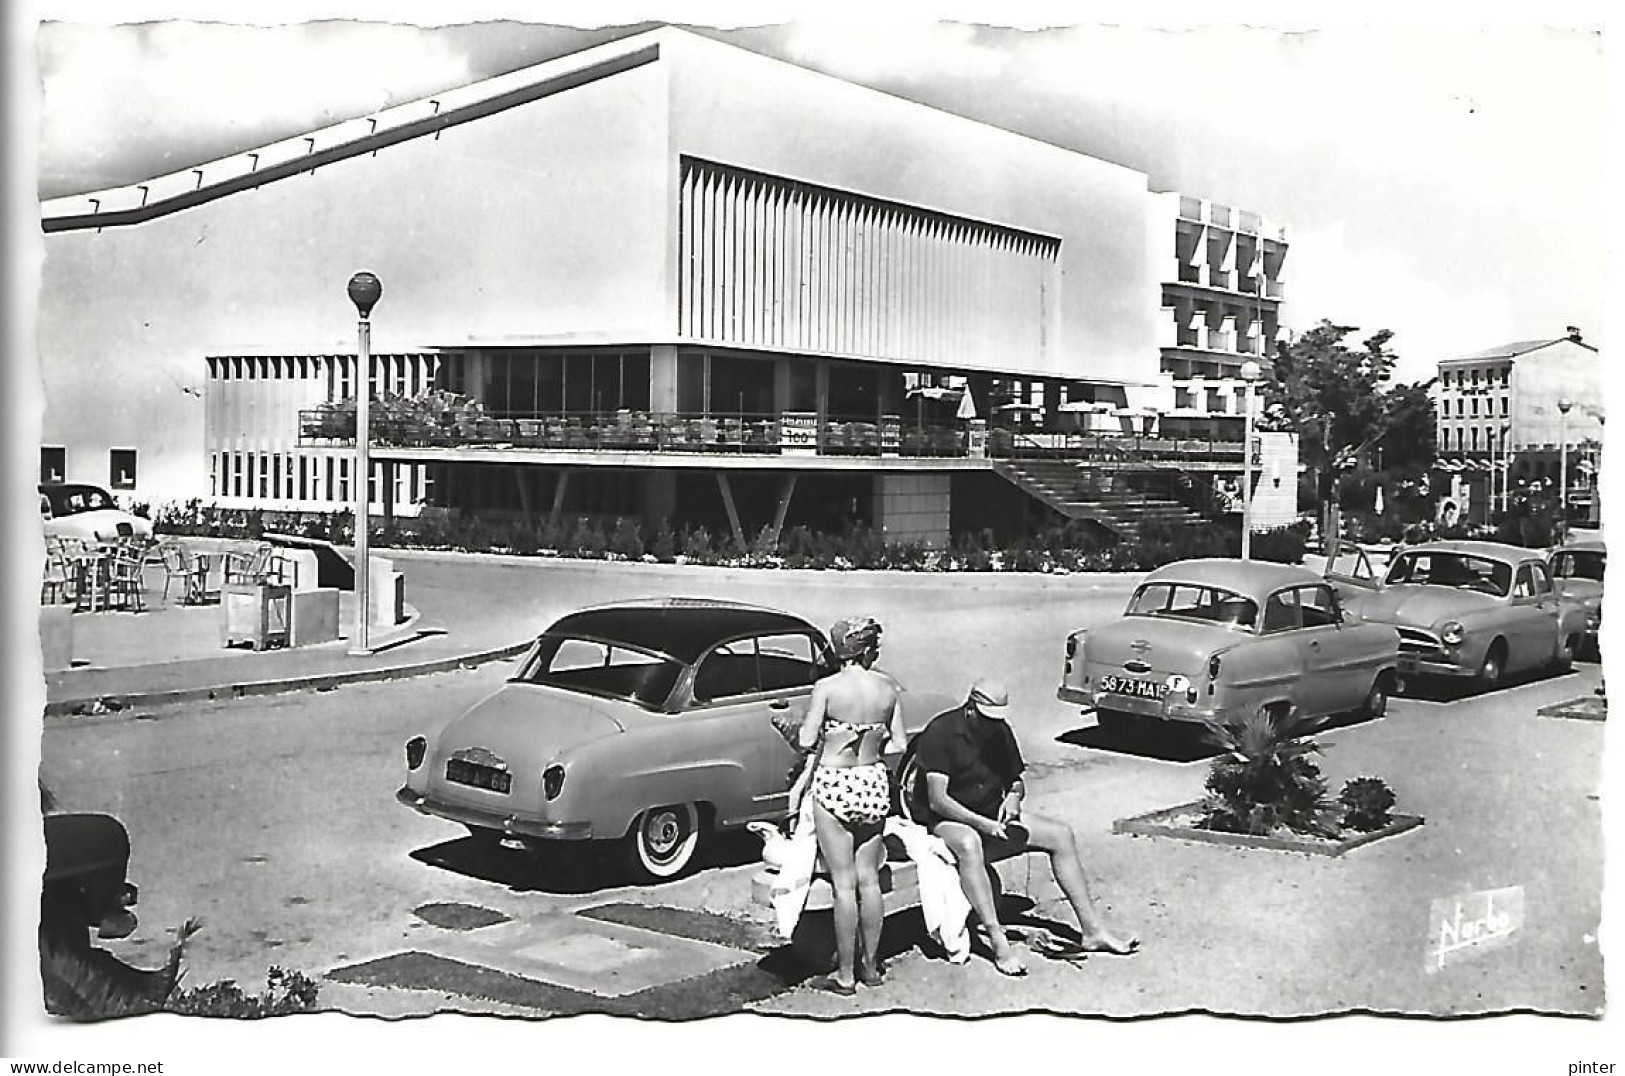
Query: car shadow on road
[1449,689]
[571,869]
[1175,743]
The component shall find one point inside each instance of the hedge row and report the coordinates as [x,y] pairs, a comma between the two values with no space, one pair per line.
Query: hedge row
[1057,549]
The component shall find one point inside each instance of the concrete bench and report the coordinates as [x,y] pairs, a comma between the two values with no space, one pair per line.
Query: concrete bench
[814,937]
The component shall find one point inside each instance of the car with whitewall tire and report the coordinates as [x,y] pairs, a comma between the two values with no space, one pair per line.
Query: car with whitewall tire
[653,723]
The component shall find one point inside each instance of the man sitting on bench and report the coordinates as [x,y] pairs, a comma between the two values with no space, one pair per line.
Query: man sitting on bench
[973,793]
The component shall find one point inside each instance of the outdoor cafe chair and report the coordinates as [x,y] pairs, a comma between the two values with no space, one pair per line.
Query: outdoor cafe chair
[179,564]
[252,568]
[57,582]
[125,585]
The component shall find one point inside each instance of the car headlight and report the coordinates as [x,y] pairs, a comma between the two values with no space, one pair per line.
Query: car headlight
[553,781]
[1452,632]
[1213,664]
[416,748]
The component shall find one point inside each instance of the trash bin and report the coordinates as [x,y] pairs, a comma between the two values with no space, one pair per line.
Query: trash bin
[255,613]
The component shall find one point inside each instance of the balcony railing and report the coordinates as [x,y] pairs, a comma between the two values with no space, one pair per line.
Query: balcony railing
[789,434]
[639,431]
[1111,448]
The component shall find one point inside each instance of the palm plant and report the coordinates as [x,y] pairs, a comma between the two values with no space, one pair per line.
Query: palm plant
[1266,780]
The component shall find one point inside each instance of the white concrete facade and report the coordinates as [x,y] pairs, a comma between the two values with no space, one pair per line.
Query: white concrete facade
[555,220]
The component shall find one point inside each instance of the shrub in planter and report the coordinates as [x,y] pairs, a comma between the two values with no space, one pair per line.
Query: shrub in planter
[1266,779]
[626,540]
[524,540]
[588,539]
[1367,802]
[1284,545]
[664,546]
[697,544]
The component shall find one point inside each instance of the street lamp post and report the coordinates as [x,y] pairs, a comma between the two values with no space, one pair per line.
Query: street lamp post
[1506,466]
[364,290]
[1250,371]
[1563,407]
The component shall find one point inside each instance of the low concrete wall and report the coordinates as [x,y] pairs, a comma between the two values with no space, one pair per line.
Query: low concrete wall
[386,593]
[315,617]
[56,637]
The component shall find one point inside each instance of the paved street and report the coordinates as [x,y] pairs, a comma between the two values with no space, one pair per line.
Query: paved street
[273,820]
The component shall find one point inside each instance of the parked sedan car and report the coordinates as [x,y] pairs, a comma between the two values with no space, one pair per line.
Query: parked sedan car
[648,722]
[75,510]
[1472,610]
[1577,571]
[1214,640]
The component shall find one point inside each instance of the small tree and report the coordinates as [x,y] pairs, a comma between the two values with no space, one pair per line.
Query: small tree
[1266,779]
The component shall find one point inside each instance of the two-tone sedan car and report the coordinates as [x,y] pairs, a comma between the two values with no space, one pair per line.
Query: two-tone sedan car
[1477,611]
[1215,640]
[1577,571]
[76,510]
[648,722]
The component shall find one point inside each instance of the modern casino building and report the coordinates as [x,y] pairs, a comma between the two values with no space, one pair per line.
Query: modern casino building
[683,281]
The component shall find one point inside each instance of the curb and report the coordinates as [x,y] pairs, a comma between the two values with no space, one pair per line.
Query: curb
[317,682]
[719,571]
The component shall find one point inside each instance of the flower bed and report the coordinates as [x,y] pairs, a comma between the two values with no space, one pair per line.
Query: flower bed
[1184,821]
[1071,548]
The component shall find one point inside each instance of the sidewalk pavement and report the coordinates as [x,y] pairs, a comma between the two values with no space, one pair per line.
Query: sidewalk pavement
[463,610]
[172,653]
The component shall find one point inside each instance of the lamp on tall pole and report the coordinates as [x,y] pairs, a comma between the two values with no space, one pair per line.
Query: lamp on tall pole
[364,290]
[1506,465]
[1563,406]
[1250,371]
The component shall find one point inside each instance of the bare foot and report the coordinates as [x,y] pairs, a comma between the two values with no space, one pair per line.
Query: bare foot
[1104,942]
[1009,964]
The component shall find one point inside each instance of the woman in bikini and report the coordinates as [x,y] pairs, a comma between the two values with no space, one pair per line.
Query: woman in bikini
[853,716]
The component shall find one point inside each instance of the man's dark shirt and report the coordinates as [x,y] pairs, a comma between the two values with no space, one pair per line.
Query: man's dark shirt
[978,755]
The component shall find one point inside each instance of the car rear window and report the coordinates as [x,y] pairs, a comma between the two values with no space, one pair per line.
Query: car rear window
[601,668]
[71,500]
[1189,601]
[1579,564]
[1463,571]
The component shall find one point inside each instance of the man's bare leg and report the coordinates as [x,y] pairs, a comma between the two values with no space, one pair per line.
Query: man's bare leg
[966,845]
[1061,844]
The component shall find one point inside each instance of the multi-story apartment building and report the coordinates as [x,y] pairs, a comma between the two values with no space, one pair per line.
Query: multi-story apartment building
[1222,294]
[1505,414]
[683,280]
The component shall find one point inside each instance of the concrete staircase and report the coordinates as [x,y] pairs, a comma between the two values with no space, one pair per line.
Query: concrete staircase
[1103,497]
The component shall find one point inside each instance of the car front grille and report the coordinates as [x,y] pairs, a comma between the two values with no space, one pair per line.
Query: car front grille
[462,772]
[1417,641]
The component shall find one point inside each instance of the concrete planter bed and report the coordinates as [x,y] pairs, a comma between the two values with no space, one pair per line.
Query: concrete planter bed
[1181,821]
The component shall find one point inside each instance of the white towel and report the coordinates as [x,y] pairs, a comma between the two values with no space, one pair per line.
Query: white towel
[798,859]
[942,901]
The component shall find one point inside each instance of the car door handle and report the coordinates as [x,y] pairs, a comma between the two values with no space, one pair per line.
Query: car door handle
[779,704]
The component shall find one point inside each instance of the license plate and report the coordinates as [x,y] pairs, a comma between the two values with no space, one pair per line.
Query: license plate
[477,776]
[1137,689]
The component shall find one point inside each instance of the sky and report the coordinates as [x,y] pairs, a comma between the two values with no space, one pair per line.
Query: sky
[1445,182]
